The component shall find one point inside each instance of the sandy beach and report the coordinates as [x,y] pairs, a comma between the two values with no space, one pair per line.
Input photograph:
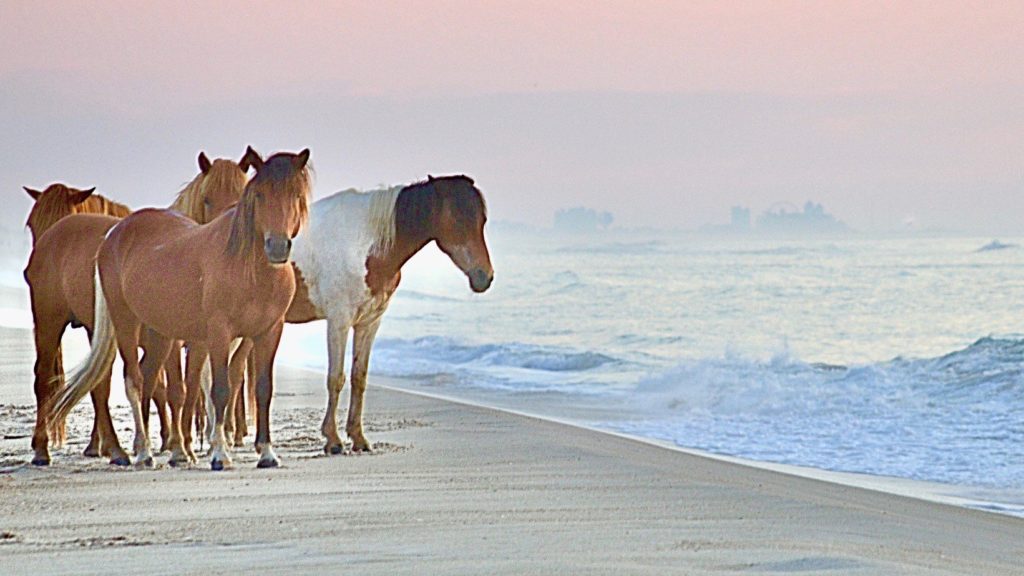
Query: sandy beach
[457,489]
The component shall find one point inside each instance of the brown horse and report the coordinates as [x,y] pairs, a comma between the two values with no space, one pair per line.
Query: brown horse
[60,278]
[52,205]
[59,200]
[206,285]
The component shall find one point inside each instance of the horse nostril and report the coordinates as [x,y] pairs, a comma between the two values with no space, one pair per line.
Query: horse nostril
[277,248]
[480,280]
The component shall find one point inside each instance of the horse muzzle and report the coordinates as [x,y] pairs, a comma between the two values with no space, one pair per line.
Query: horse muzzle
[480,279]
[278,249]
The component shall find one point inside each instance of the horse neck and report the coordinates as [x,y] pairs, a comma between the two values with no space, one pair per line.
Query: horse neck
[416,215]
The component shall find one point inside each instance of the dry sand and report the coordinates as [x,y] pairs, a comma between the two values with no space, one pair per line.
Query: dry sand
[457,489]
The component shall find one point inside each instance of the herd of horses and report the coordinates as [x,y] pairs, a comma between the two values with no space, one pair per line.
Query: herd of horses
[217,274]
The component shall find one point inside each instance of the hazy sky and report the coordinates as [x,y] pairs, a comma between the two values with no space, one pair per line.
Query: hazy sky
[665,113]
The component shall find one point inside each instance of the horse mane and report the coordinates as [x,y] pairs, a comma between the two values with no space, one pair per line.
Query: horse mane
[97,204]
[190,200]
[53,205]
[244,240]
[381,217]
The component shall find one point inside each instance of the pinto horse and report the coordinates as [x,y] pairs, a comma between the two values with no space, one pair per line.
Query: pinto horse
[60,278]
[204,284]
[349,263]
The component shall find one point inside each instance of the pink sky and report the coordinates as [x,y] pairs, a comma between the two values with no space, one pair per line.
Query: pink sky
[911,106]
[203,50]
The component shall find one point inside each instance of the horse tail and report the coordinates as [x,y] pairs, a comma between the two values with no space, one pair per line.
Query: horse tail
[96,367]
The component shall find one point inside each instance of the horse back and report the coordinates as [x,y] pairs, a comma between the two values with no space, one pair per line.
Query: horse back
[62,264]
[149,266]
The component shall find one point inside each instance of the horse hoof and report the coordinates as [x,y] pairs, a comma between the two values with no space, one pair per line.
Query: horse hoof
[120,461]
[216,465]
[271,463]
[147,463]
[335,449]
[91,452]
[40,461]
[362,448]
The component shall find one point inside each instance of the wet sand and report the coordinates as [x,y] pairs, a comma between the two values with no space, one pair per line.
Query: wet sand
[456,489]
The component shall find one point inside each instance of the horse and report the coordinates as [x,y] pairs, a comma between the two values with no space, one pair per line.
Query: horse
[348,264]
[60,200]
[49,207]
[205,284]
[60,278]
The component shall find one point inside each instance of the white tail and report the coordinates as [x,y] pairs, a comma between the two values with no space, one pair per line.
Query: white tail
[91,372]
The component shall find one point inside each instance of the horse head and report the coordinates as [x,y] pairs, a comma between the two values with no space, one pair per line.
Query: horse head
[221,183]
[52,204]
[459,228]
[275,204]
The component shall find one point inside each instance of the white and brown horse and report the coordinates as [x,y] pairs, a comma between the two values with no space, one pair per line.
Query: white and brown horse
[349,260]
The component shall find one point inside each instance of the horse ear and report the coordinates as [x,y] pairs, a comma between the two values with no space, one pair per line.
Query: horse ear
[79,196]
[430,177]
[204,163]
[301,159]
[35,194]
[251,158]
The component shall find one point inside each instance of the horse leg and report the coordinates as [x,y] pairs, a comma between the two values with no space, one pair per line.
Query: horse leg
[110,446]
[195,360]
[236,417]
[264,350]
[47,339]
[337,334]
[220,392]
[155,348]
[362,342]
[106,442]
[176,402]
[160,403]
[250,388]
[128,346]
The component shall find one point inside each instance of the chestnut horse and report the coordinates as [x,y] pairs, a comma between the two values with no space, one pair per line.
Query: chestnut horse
[52,205]
[204,284]
[349,263]
[59,200]
[60,279]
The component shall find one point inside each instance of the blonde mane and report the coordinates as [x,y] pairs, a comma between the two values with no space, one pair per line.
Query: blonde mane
[189,200]
[381,217]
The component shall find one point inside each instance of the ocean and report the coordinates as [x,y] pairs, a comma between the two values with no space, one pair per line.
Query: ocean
[898,357]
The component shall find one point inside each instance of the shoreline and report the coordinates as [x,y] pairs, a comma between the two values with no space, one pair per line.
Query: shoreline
[968,497]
